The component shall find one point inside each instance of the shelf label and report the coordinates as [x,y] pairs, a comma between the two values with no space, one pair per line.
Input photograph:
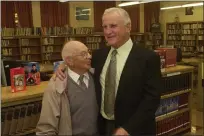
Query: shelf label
[173,74]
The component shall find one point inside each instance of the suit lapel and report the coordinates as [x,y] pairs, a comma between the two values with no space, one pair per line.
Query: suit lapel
[127,72]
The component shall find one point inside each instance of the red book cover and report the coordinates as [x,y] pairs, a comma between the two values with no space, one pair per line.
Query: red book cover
[17,79]
[170,56]
[162,54]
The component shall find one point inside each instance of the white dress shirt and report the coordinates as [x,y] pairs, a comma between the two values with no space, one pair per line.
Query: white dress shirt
[76,76]
[121,56]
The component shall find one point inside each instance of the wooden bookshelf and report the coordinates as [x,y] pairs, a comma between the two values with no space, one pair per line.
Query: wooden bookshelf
[10,48]
[154,40]
[189,36]
[174,113]
[44,45]
[171,114]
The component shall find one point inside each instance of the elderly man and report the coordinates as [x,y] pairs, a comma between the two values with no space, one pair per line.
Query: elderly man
[72,112]
[127,79]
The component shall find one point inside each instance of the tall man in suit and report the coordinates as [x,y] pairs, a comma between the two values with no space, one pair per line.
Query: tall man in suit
[127,80]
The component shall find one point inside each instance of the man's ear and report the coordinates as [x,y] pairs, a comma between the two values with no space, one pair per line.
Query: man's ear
[128,27]
[69,61]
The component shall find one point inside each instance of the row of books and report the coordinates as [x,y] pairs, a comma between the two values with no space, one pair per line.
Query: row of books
[173,124]
[21,31]
[57,30]
[48,41]
[188,43]
[25,42]
[188,37]
[167,105]
[187,49]
[93,46]
[83,30]
[138,38]
[177,82]
[171,104]
[152,37]
[26,57]
[174,37]
[5,43]
[189,26]
[200,31]
[93,39]
[201,37]
[66,30]
[185,26]
[174,26]
[47,49]
[20,118]
[201,25]
[200,49]
[183,100]
[26,50]
[37,31]
[176,31]
[174,43]
[189,31]
[7,51]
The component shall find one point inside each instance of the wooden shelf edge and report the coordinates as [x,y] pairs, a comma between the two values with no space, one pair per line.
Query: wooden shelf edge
[21,101]
[180,130]
[171,114]
[27,132]
[189,70]
[175,94]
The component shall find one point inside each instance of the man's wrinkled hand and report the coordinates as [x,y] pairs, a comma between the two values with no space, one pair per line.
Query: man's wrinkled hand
[121,132]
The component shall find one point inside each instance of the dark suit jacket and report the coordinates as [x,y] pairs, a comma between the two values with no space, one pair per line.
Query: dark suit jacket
[138,94]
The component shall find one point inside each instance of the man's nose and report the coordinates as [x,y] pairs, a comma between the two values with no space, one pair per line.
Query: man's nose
[89,56]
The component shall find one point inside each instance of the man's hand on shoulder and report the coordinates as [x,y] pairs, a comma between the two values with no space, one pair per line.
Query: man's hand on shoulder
[60,72]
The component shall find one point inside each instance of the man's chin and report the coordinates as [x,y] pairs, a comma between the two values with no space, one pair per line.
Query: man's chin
[111,43]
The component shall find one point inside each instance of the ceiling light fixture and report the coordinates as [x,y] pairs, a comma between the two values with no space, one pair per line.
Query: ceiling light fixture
[183,6]
[128,3]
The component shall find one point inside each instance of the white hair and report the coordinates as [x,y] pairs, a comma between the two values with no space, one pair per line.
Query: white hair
[123,13]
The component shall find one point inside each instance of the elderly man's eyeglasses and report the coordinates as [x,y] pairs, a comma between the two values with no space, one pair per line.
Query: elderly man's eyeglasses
[84,54]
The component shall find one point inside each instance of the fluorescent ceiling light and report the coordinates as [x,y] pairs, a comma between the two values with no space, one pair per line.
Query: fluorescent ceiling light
[128,3]
[63,0]
[173,7]
[183,6]
[193,4]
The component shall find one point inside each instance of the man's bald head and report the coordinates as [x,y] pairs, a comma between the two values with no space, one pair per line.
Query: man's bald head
[71,47]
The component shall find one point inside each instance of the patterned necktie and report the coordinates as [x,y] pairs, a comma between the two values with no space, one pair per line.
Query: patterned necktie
[110,86]
[81,82]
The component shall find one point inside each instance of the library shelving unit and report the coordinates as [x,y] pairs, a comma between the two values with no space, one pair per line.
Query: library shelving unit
[30,48]
[10,47]
[21,43]
[138,37]
[154,39]
[44,45]
[173,115]
[186,35]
